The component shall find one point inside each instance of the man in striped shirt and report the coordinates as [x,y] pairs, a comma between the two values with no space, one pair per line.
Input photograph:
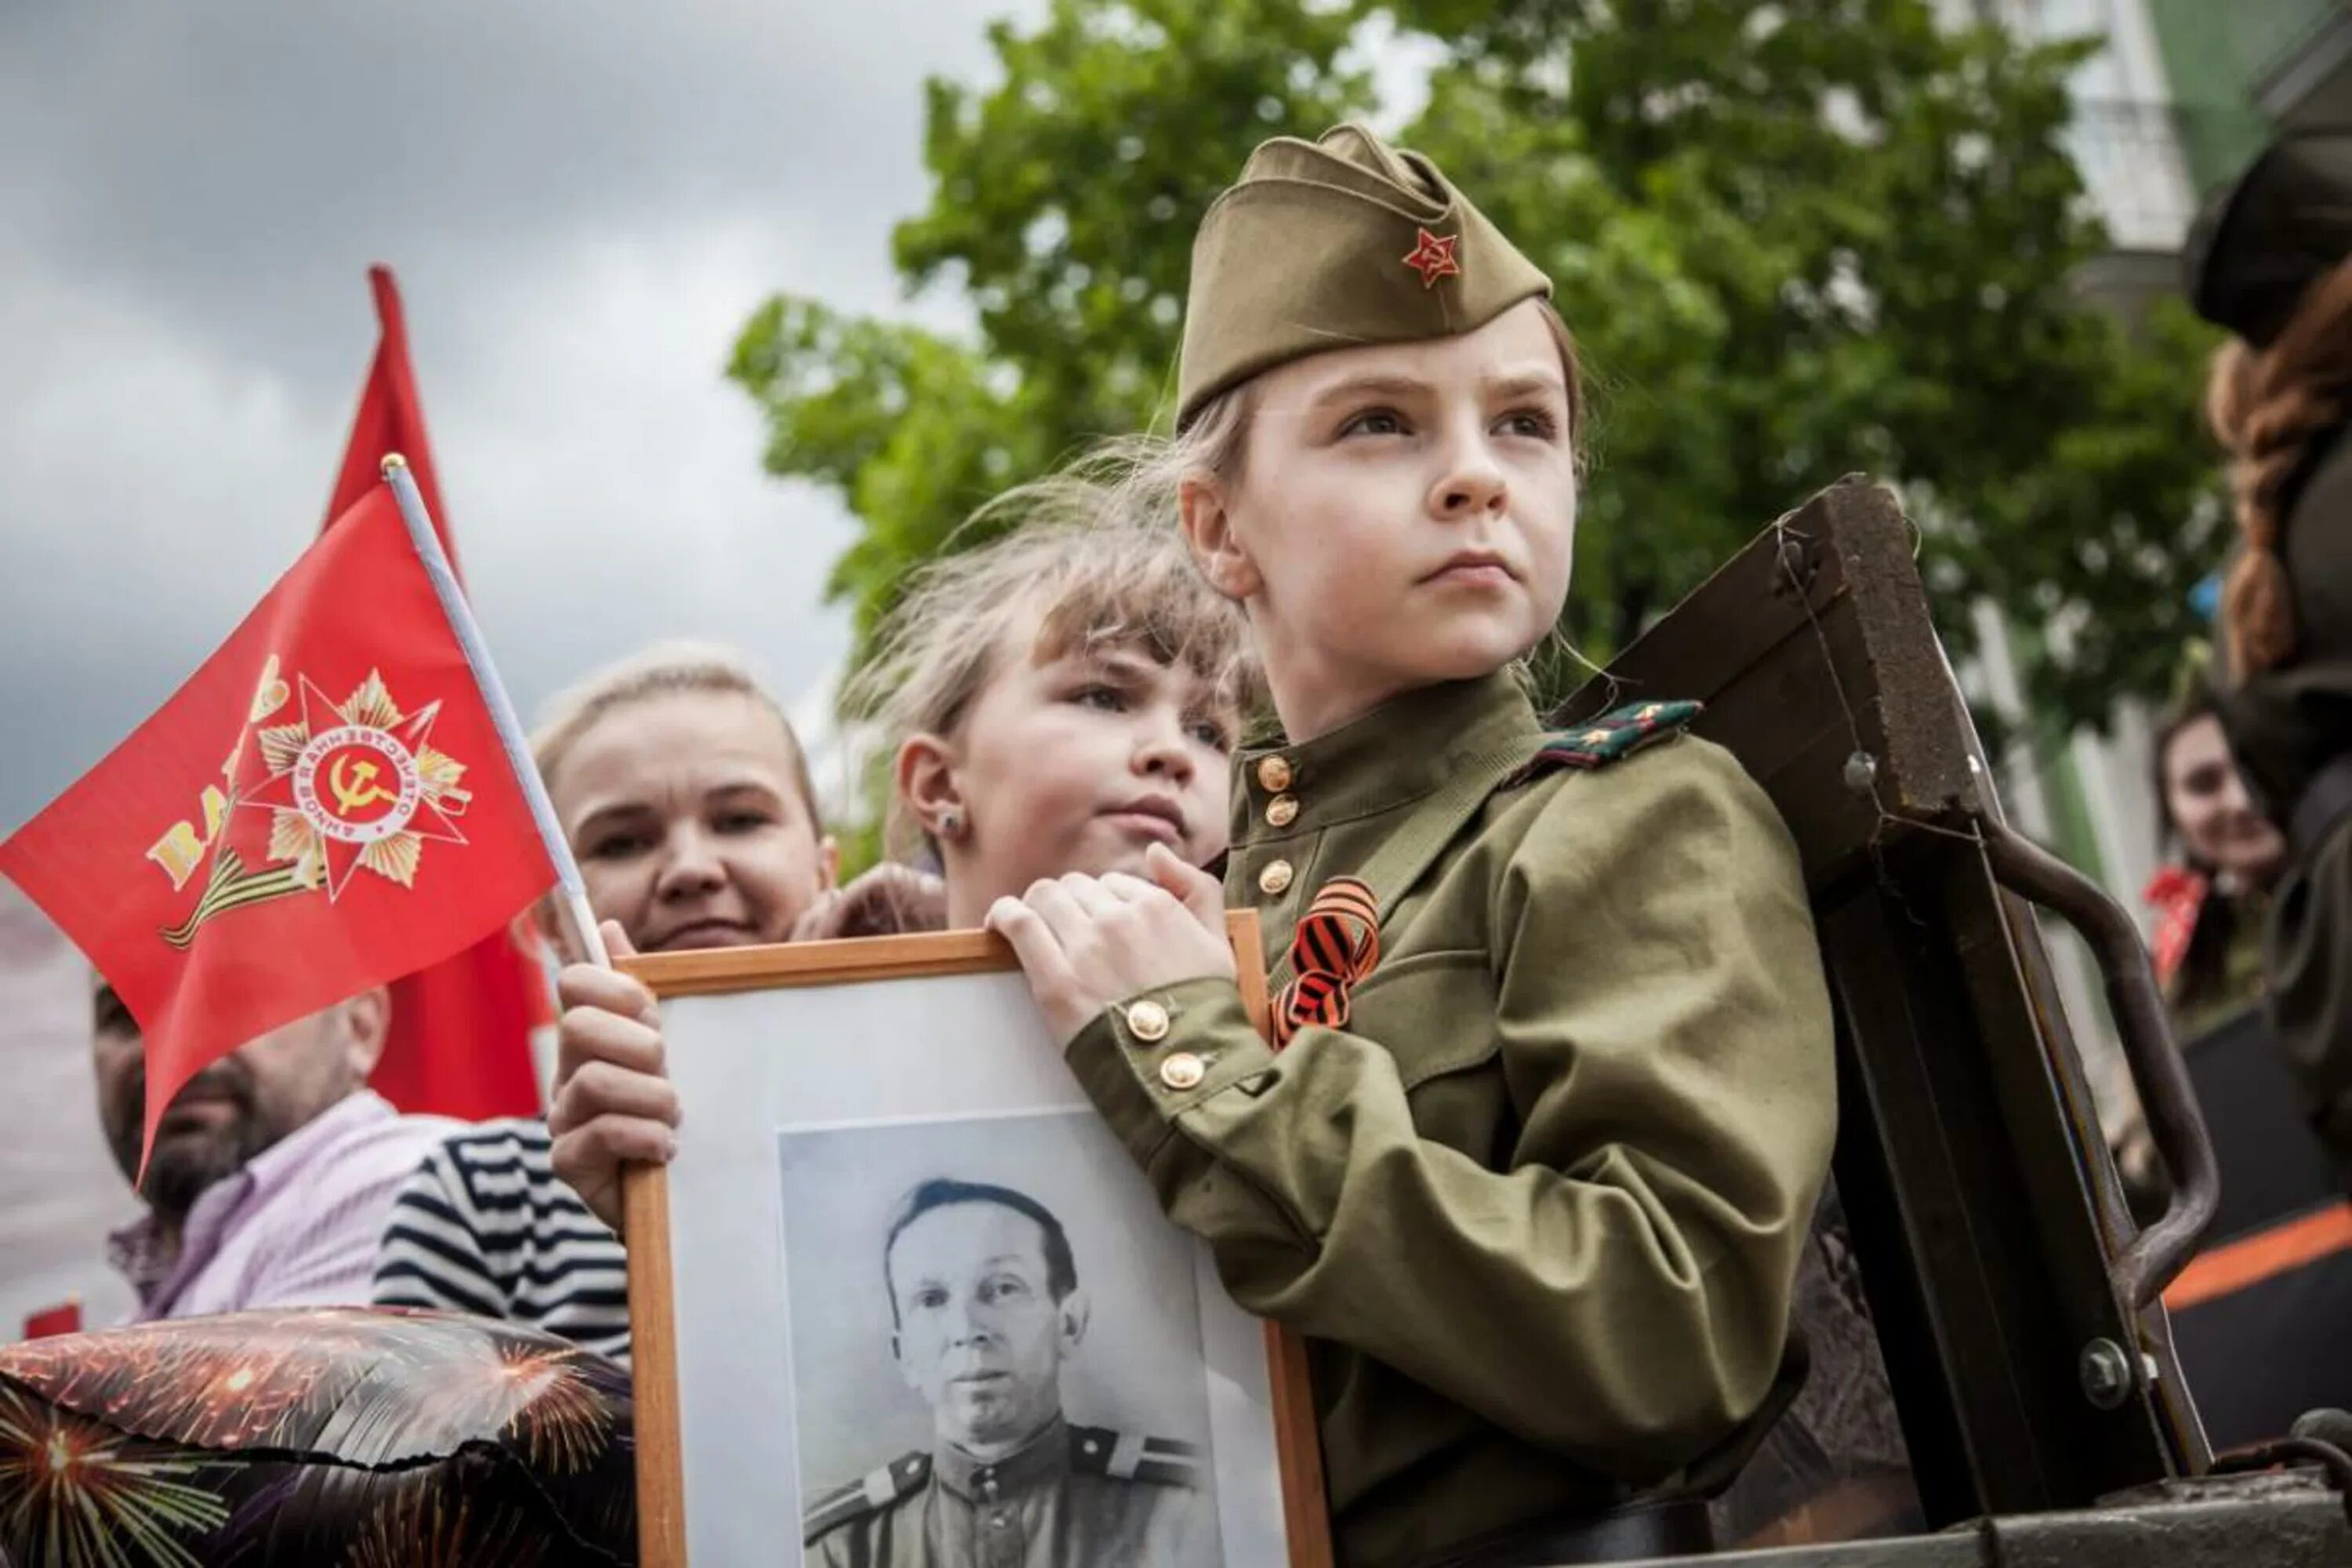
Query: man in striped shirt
[485,1225]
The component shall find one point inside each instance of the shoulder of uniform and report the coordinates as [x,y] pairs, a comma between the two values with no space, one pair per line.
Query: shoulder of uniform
[1134,1457]
[1612,738]
[1632,828]
[869,1494]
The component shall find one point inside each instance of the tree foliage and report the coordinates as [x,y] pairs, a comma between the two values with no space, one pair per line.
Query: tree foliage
[1794,241]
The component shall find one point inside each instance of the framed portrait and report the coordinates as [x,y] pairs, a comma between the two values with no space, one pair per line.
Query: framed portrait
[903,1297]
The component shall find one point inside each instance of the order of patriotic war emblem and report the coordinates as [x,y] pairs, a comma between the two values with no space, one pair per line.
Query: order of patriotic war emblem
[369,781]
[346,787]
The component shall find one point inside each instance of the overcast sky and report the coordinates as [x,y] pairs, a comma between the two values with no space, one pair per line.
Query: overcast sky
[583,202]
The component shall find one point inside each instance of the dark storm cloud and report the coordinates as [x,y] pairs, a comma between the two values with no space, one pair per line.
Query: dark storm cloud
[583,202]
[222,162]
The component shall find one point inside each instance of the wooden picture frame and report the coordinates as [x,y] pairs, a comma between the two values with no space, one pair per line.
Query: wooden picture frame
[661,1417]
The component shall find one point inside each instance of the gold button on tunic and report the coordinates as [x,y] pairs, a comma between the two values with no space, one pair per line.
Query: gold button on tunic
[1183,1070]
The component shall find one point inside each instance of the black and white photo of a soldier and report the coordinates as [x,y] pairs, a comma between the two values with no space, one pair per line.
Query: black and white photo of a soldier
[985,1308]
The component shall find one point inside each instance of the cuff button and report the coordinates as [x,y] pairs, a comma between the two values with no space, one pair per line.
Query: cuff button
[1182,1070]
[1148,1022]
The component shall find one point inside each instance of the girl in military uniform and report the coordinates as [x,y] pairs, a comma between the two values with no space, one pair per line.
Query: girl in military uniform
[1534,1150]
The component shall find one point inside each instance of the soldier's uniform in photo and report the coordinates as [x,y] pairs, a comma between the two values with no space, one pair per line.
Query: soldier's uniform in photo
[1534,1157]
[2254,255]
[1075,1497]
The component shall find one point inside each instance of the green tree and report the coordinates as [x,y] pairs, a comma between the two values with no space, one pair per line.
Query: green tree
[1794,241]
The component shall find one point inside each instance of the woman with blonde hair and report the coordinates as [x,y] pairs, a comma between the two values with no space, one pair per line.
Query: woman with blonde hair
[686,798]
[2271,261]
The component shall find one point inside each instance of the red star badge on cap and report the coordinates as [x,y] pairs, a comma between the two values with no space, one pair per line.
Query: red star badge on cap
[1433,258]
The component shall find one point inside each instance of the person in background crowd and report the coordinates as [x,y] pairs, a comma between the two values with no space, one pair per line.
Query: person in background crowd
[2257,1318]
[2210,901]
[2213,898]
[686,799]
[2268,261]
[271,1171]
[1065,698]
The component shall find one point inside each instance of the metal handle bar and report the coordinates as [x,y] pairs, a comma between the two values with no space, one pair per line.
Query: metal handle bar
[2159,1252]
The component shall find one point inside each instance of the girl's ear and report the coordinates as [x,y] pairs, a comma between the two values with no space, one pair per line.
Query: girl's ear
[829,863]
[925,776]
[1217,549]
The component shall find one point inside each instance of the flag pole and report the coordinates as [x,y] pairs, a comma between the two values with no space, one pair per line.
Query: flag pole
[645,1188]
[427,541]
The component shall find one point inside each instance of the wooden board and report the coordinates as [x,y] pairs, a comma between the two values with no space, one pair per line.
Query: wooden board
[1979,1199]
[1811,646]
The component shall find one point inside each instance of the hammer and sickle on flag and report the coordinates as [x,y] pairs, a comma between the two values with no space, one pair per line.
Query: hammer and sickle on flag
[358,791]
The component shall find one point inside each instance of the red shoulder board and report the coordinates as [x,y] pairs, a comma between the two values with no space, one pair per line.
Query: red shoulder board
[1612,738]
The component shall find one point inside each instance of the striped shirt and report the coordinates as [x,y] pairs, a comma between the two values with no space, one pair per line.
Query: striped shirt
[486,1226]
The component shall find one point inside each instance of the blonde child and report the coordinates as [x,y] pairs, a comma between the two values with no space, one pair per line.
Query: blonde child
[1064,698]
[1534,1156]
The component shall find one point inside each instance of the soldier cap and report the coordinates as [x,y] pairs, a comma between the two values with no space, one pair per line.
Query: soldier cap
[1336,243]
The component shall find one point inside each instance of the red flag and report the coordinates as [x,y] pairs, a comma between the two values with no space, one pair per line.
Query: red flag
[325,805]
[49,1321]
[390,420]
[460,1038]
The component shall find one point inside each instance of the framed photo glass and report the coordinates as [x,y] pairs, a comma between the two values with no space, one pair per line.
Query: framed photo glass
[903,1297]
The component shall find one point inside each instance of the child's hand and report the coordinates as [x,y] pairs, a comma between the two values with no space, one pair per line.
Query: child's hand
[1087,941]
[612,1103]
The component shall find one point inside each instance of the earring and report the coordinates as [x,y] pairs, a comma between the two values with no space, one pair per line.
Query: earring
[951,822]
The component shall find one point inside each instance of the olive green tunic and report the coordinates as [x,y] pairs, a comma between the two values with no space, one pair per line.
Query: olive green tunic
[1540,1204]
